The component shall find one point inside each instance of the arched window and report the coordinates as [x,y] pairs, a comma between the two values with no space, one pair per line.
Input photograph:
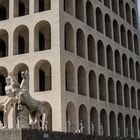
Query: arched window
[42,36]
[21,45]
[134,18]
[112,120]
[138,98]
[115,6]
[42,76]
[94,119]
[42,5]
[21,40]
[107,3]
[91,49]
[3,48]
[68,6]
[92,84]
[108,29]
[79,9]
[123,36]
[104,122]
[111,91]
[101,53]
[128,14]
[125,65]
[121,8]
[71,116]
[4,9]
[80,43]
[121,124]
[133,98]
[102,87]
[99,20]
[41,41]
[89,14]
[2,85]
[2,13]
[126,96]
[136,44]
[130,41]
[128,125]
[21,7]
[82,86]
[109,58]
[83,117]
[119,93]
[116,31]
[131,69]
[117,62]
[41,80]
[137,71]
[69,37]
[70,77]
[134,126]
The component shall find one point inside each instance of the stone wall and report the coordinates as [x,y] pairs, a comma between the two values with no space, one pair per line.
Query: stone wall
[28,134]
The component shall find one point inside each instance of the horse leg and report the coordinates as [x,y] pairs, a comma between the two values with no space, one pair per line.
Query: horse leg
[38,119]
[6,112]
[44,121]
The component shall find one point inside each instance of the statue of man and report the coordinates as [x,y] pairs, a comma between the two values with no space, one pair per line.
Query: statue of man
[133,132]
[68,125]
[92,128]
[126,132]
[11,90]
[101,130]
[81,126]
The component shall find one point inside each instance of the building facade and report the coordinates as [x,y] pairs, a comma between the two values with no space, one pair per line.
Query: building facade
[83,59]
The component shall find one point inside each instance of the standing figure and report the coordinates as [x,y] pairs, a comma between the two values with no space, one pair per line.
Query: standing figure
[101,130]
[92,128]
[68,126]
[133,132]
[81,127]
[11,89]
[126,132]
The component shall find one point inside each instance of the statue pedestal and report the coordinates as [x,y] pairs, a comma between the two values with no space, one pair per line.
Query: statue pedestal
[34,134]
[22,134]
[22,115]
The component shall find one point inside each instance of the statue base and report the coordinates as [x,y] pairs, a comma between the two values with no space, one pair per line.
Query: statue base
[34,134]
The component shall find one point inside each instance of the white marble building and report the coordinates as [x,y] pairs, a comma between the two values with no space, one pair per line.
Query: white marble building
[83,58]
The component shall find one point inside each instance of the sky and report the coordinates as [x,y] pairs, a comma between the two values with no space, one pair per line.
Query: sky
[139,11]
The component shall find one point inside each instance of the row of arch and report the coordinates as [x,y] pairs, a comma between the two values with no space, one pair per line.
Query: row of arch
[42,39]
[114,60]
[21,7]
[125,12]
[113,124]
[120,35]
[42,76]
[110,91]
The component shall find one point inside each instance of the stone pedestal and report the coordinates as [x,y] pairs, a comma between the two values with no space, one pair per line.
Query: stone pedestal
[34,134]
[22,116]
